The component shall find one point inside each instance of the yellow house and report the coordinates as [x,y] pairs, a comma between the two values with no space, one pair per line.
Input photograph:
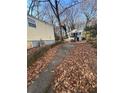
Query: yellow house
[39,33]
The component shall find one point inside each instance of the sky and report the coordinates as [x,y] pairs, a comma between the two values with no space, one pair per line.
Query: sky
[65,3]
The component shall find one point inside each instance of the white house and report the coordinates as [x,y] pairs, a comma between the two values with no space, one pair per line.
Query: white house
[75,34]
[39,32]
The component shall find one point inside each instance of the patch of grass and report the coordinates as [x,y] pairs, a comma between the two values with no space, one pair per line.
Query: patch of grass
[39,53]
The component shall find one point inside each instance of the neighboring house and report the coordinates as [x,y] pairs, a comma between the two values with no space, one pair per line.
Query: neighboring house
[76,34]
[39,33]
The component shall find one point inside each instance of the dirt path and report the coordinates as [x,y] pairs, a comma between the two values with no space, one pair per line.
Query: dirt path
[43,83]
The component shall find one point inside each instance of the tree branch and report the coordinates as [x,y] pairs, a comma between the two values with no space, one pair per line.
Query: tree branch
[53,7]
[69,7]
[51,4]
[42,1]
[30,7]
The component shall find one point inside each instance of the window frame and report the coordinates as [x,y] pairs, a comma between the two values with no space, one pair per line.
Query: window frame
[31,22]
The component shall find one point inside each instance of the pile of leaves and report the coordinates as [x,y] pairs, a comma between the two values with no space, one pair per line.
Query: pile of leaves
[32,50]
[34,54]
[77,73]
[34,70]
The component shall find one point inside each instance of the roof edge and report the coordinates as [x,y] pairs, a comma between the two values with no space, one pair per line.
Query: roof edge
[39,20]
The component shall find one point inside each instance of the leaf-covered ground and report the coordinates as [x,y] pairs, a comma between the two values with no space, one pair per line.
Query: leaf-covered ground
[32,50]
[77,72]
[34,70]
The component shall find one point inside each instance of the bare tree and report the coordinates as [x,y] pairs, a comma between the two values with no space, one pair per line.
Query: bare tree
[57,7]
[72,15]
[33,6]
[58,10]
[89,9]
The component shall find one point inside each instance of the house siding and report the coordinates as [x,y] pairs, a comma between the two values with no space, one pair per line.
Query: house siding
[42,31]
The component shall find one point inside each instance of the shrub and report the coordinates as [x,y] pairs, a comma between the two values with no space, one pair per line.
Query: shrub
[93,42]
[90,31]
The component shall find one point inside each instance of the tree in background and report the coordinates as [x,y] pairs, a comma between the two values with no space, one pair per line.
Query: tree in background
[57,7]
[58,10]
[67,14]
[89,10]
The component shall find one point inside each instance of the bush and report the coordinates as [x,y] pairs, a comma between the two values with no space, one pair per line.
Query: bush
[40,52]
[83,38]
[90,31]
[93,42]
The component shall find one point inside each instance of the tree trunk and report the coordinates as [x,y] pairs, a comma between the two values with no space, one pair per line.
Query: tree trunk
[61,36]
[58,17]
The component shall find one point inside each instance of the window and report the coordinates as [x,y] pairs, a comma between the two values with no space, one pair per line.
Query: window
[31,22]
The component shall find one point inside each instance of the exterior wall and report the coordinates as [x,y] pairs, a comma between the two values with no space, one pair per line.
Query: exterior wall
[78,35]
[42,31]
[29,45]
[36,43]
[48,42]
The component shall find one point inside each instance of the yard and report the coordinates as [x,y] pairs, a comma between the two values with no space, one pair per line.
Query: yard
[65,68]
